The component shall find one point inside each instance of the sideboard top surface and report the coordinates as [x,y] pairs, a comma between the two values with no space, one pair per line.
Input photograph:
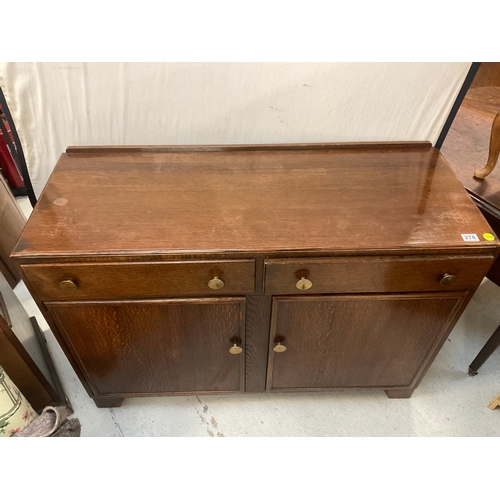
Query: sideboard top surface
[112,201]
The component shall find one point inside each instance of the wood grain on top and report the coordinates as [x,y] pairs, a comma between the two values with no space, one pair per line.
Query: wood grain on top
[251,201]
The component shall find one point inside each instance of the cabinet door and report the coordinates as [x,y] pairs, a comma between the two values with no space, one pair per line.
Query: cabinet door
[356,341]
[158,346]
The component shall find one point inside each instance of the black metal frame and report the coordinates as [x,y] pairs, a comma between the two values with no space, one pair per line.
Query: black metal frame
[16,149]
[454,110]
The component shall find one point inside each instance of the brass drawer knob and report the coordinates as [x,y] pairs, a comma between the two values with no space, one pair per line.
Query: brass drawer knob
[68,285]
[448,279]
[236,349]
[215,283]
[304,284]
[279,347]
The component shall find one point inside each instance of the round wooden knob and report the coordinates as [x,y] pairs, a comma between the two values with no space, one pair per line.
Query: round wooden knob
[236,349]
[279,347]
[68,285]
[448,279]
[304,284]
[215,283]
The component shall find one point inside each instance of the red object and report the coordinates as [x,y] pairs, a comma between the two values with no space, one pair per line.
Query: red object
[7,163]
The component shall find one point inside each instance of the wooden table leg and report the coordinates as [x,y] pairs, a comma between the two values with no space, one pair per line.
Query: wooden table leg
[481,173]
[488,349]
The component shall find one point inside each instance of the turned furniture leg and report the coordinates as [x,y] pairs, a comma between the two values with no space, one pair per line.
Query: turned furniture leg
[108,402]
[399,393]
[485,352]
[481,173]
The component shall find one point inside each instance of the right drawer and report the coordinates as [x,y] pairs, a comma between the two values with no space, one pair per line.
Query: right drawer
[374,274]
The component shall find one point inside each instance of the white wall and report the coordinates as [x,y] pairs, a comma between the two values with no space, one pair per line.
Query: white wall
[55,105]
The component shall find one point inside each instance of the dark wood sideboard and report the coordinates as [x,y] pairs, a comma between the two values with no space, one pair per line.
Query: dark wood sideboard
[223,269]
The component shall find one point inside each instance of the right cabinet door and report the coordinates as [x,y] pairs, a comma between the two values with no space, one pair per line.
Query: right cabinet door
[371,341]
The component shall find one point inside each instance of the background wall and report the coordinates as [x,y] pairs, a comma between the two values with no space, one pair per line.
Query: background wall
[55,105]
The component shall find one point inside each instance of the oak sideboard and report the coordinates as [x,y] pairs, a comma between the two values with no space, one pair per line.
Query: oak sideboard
[168,270]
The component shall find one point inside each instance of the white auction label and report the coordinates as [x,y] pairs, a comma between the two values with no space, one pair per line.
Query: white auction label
[470,237]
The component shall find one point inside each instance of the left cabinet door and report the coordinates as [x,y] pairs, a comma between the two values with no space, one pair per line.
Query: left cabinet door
[140,347]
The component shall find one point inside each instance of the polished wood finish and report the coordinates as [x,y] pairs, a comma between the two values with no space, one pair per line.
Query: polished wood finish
[250,201]
[361,275]
[494,150]
[352,219]
[141,279]
[488,75]
[258,316]
[353,341]
[154,347]
[12,222]
[228,148]
[483,101]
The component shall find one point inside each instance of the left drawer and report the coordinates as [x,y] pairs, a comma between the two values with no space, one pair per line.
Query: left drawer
[141,279]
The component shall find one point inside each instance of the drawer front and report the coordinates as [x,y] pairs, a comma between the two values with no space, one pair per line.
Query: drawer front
[378,274]
[141,279]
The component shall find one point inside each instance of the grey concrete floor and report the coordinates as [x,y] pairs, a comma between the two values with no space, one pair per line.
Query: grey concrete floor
[448,401]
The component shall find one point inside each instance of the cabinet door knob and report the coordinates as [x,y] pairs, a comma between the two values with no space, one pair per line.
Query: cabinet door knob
[68,285]
[236,349]
[304,284]
[215,283]
[448,279]
[279,347]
